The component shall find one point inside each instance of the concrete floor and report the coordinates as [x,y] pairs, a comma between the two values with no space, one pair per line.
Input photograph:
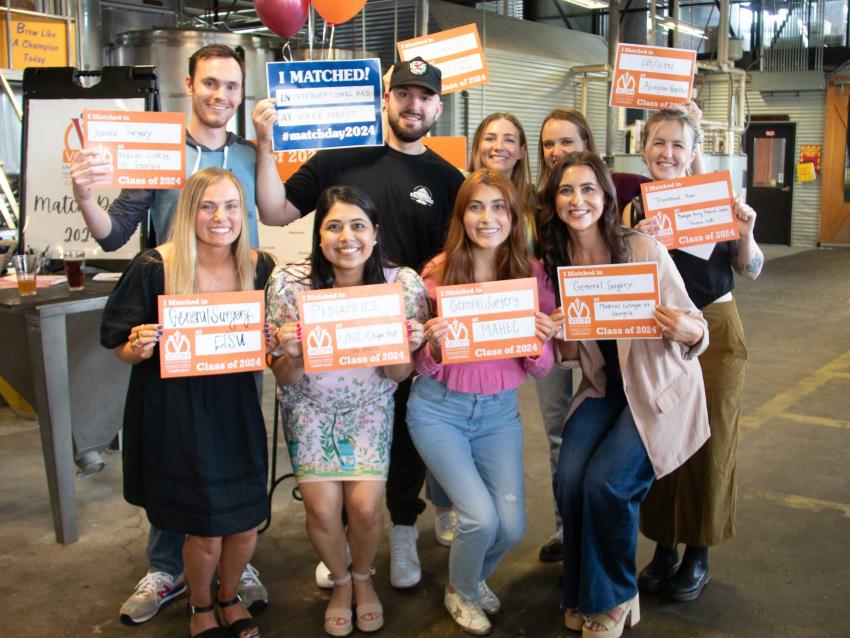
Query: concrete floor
[785,572]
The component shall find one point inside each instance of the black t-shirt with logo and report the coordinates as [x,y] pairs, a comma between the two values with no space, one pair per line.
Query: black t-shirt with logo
[414,195]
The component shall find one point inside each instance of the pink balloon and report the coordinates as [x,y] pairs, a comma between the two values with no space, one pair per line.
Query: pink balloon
[284,17]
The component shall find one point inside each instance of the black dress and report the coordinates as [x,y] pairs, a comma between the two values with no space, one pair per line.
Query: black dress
[195,452]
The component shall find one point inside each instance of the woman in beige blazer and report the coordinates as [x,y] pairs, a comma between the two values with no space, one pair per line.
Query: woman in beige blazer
[639,412]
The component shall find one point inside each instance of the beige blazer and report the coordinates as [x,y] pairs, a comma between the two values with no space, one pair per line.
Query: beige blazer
[661,378]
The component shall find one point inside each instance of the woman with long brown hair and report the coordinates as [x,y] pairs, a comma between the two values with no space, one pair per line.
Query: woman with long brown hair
[639,412]
[463,417]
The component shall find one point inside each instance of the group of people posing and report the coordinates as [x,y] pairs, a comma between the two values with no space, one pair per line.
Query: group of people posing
[650,435]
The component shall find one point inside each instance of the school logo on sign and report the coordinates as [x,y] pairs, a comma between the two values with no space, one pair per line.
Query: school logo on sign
[578,313]
[319,342]
[177,347]
[665,225]
[626,84]
[458,336]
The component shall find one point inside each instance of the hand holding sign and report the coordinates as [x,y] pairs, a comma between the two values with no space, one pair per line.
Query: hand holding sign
[143,338]
[678,326]
[289,339]
[90,166]
[746,216]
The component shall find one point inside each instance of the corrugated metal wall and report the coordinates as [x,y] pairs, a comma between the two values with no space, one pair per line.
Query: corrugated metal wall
[806,109]
[529,68]
[528,62]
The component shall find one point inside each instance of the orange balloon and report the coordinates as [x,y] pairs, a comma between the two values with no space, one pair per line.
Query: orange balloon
[338,11]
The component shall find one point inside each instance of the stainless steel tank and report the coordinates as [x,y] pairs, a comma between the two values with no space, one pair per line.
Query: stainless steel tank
[169,51]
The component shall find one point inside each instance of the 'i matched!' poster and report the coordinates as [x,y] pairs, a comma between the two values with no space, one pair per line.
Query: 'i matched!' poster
[326,103]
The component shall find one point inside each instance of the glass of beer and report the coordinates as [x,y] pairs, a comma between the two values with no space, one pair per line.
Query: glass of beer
[26,267]
[73,261]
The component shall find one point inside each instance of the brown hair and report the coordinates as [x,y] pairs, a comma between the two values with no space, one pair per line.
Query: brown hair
[579,121]
[215,51]
[521,173]
[512,259]
[554,233]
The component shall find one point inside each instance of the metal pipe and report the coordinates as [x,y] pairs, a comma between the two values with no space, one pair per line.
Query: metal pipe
[742,100]
[583,97]
[310,30]
[89,30]
[650,37]
[611,114]
[424,14]
[723,34]
[363,32]
[674,14]
[395,31]
[9,34]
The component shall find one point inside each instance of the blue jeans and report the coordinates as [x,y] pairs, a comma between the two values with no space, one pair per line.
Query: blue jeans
[472,444]
[165,551]
[435,493]
[554,392]
[603,475]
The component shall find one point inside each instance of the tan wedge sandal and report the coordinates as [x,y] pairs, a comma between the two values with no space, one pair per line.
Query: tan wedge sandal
[338,619]
[370,616]
[611,628]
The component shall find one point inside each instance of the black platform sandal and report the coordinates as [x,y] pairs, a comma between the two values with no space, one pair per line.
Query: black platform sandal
[212,632]
[243,624]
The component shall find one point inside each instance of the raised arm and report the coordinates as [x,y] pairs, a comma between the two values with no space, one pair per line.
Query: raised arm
[88,168]
[272,205]
[747,257]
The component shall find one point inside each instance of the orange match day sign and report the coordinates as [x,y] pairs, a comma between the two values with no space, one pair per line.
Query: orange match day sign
[652,77]
[456,52]
[356,327]
[147,149]
[211,333]
[612,301]
[694,210]
[492,320]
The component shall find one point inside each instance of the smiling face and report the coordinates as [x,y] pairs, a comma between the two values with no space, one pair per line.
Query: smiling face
[347,237]
[218,221]
[559,138]
[487,218]
[412,111]
[580,200]
[216,91]
[669,150]
[500,148]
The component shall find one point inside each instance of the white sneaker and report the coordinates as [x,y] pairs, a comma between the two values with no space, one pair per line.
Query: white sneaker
[151,594]
[405,570]
[467,614]
[445,524]
[252,592]
[487,600]
[324,579]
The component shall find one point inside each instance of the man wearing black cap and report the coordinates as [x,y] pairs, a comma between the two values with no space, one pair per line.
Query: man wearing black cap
[414,190]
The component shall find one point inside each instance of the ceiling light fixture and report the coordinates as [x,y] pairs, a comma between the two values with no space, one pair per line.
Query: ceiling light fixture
[589,4]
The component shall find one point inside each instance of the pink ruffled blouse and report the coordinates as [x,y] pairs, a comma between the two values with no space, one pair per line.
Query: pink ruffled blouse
[494,376]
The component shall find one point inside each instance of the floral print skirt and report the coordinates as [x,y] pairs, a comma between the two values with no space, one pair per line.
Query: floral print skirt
[345,443]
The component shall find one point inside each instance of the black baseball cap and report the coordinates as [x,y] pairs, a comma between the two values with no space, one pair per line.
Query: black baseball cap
[417,72]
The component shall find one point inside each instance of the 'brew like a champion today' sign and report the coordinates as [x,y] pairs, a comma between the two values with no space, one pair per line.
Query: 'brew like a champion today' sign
[326,104]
